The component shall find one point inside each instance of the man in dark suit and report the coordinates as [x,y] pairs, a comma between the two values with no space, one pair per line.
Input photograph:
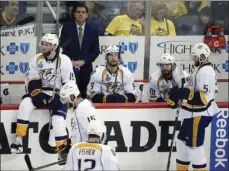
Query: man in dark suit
[83,48]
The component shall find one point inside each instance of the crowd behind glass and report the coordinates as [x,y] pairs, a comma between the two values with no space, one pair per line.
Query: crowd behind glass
[169,18]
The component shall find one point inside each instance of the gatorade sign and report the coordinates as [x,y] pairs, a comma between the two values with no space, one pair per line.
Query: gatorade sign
[219,142]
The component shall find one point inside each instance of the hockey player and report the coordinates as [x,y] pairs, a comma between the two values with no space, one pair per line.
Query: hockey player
[92,155]
[111,83]
[46,70]
[197,106]
[167,77]
[81,111]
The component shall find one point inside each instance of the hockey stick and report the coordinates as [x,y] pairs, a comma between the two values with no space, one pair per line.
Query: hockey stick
[31,168]
[176,121]
[56,69]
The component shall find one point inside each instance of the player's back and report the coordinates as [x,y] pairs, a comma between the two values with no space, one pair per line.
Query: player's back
[91,156]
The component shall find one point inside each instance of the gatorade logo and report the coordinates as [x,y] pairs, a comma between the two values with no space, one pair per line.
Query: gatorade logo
[219,142]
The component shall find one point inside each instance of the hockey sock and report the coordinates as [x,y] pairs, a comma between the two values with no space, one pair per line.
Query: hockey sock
[182,165]
[22,127]
[199,167]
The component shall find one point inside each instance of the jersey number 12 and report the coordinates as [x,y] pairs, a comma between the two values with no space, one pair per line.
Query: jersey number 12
[85,161]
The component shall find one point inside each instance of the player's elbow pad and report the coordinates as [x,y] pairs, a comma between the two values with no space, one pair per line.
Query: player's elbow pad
[196,101]
[97,98]
[131,97]
[34,87]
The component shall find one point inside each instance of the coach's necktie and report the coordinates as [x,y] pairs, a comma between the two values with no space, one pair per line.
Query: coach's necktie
[80,35]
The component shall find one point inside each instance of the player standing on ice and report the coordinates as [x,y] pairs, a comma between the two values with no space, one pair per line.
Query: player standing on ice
[196,109]
[167,77]
[92,155]
[81,111]
[46,70]
[111,83]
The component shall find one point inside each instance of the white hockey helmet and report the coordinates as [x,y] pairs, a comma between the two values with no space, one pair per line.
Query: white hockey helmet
[167,58]
[200,50]
[111,49]
[67,90]
[95,127]
[50,38]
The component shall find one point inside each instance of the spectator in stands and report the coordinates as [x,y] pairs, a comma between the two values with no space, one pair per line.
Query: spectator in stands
[188,8]
[81,44]
[220,13]
[10,16]
[205,21]
[128,24]
[102,13]
[160,25]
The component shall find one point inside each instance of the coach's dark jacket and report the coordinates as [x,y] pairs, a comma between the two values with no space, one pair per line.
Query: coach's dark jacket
[89,50]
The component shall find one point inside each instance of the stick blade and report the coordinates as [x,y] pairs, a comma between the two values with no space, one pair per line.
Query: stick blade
[28,162]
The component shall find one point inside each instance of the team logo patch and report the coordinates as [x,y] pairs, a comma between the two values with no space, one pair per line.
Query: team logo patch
[24,47]
[132,66]
[133,46]
[40,65]
[108,78]
[23,67]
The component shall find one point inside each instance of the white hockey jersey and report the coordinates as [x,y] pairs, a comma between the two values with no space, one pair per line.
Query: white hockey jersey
[91,156]
[159,86]
[41,68]
[102,81]
[203,80]
[80,118]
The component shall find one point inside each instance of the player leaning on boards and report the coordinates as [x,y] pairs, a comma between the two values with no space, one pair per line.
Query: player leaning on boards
[197,109]
[167,77]
[81,111]
[40,81]
[111,83]
[92,155]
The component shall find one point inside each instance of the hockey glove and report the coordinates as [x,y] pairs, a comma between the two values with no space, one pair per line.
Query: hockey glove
[40,100]
[115,98]
[177,94]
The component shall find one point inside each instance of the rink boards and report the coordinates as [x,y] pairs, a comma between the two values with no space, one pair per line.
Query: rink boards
[140,133]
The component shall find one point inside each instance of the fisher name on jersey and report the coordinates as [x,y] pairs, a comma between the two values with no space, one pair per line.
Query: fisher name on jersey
[159,86]
[104,82]
[204,89]
[91,156]
[80,118]
[40,68]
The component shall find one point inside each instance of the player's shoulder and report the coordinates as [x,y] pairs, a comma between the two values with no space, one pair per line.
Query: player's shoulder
[155,76]
[99,69]
[37,58]
[207,70]
[64,57]
[125,70]
[107,149]
[85,108]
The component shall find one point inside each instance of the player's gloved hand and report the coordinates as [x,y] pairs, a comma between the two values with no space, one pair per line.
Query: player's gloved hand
[173,97]
[40,100]
[118,98]
[63,152]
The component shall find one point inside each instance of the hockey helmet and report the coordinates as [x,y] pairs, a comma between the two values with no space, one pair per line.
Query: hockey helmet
[199,51]
[67,90]
[167,58]
[95,127]
[50,38]
[112,49]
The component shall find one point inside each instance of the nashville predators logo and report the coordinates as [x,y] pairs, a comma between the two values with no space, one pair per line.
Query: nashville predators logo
[113,87]
[47,74]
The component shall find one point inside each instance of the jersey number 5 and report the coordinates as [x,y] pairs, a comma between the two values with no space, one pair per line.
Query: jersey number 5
[85,161]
